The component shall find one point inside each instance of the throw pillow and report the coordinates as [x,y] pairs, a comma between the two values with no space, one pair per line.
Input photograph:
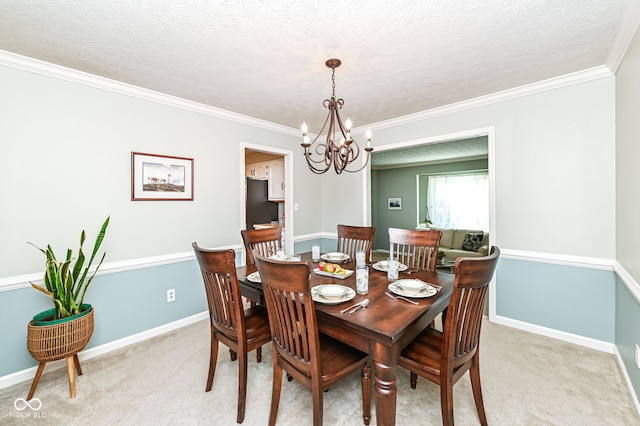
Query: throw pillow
[472,242]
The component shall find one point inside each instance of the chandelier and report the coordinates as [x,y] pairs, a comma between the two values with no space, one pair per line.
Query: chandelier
[341,154]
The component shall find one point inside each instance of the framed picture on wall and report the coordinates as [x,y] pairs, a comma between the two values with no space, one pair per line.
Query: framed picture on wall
[394,203]
[157,177]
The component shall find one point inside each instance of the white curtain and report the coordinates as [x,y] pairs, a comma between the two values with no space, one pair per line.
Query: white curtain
[459,201]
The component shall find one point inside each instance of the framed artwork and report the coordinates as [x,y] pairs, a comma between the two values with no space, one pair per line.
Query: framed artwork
[161,177]
[394,203]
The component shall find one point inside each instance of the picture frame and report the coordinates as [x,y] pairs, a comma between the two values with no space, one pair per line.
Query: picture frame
[156,177]
[394,203]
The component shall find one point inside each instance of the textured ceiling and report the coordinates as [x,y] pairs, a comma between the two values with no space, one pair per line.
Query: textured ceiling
[466,149]
[266,59]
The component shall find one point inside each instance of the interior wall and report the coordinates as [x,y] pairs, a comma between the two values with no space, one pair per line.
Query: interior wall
[571,132]
[66,165]
[540,213]
[67,150]
[628,205]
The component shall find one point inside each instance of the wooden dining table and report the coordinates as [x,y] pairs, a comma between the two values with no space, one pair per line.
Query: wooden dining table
[382,329]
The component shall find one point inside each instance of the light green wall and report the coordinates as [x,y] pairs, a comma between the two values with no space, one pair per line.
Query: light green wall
[401,182]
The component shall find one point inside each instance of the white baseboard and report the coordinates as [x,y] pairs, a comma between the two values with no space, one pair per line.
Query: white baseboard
[556,334]
[627,379]
[29,373]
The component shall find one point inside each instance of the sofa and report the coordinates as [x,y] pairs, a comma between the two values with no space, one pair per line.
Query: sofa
[463,243]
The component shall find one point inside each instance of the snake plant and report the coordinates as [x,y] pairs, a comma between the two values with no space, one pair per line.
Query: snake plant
[66,282]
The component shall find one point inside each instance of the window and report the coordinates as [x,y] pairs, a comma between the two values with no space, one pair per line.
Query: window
[459,201]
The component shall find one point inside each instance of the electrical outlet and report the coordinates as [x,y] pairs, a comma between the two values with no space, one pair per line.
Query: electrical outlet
[296,207]
[638,356]
[171,295]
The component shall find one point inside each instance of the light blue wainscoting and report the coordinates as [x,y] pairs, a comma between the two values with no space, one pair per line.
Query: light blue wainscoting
[572,299]
[628,331]
[125,303]
[327,245]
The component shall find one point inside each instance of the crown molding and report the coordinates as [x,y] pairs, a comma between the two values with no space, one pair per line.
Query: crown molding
[69,74]
[517,92]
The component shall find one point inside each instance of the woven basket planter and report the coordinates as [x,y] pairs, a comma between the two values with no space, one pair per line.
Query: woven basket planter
[58,341]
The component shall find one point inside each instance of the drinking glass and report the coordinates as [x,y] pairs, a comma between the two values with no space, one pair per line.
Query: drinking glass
[392,269]
[315,252]
[362,280]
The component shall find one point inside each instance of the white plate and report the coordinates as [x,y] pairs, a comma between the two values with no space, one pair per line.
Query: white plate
[332,291]
[334,257]
[382,266]
[428,291]
[287,258]
[317,297]
[254,277]
[413,286]
[348,273]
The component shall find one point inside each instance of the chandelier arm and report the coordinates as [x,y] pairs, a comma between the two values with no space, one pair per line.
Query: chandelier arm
[313,168]
[340,124]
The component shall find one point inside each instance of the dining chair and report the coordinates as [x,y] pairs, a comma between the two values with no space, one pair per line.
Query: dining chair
[265,242]
[414,248]
[352,239]
[315,360]
[241,330]
[444,357]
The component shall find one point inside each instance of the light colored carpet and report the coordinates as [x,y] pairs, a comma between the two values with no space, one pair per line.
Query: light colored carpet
[527,380]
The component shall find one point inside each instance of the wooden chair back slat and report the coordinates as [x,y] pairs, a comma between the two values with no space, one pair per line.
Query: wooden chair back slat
[352,239]
[222,289]
[464,315]
[265,242]
[288,297]
[414,248]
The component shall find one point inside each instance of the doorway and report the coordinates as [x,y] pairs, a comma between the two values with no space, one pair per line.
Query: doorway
[269,163]
[373,199]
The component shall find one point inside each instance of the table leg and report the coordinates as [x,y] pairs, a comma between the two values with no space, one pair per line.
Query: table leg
[385,391]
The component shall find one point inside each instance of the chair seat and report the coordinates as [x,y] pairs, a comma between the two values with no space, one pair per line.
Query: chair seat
[256,322]
[338,359]
[423,352]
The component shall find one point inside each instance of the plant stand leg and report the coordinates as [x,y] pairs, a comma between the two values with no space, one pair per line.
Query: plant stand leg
[72,376]
[76,361]
[36,380]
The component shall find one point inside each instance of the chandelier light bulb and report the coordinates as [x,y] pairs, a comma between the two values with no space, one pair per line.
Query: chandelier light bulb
[304,127]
